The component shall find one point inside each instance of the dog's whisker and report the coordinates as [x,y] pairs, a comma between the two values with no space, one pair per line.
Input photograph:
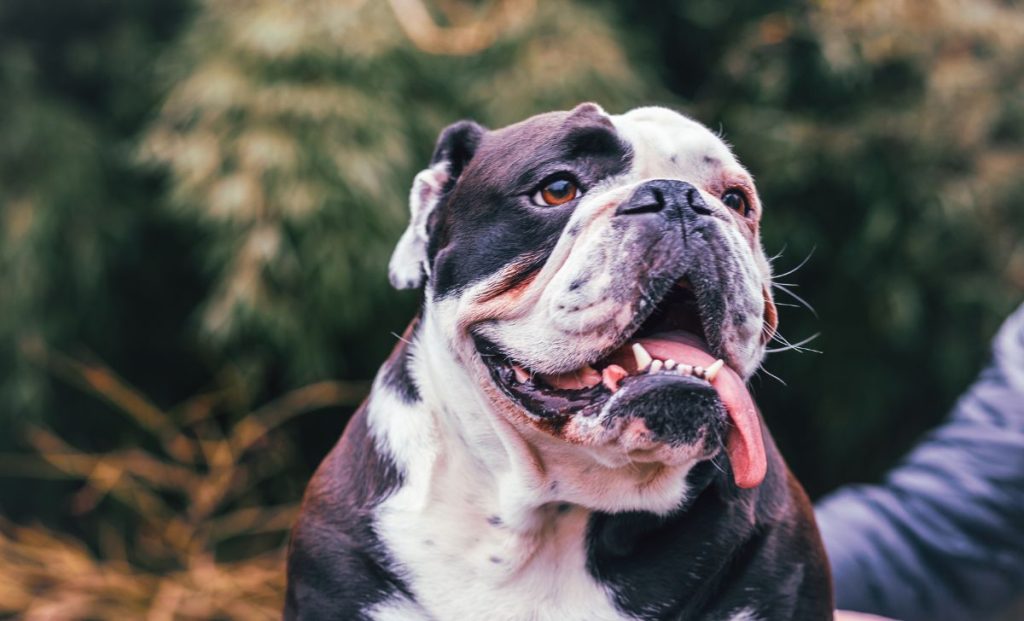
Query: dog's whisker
[779,338]
[785,289]
[771,375]
[798,346]
[714,462]
[801,264]
[779,254]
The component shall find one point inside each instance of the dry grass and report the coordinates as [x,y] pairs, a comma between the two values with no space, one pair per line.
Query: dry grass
[186,499]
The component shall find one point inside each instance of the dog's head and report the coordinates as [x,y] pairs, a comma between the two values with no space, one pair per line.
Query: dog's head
[589,270]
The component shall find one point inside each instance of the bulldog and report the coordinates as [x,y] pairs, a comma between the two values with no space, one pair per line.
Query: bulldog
[565,431]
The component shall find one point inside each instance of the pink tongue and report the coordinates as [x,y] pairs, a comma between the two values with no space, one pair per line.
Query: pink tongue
[744,445]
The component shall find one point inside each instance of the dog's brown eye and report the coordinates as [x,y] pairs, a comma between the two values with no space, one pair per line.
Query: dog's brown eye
[737,201]
[557,192]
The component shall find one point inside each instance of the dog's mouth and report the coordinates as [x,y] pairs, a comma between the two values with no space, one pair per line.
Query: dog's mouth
[669,343]
[662,344]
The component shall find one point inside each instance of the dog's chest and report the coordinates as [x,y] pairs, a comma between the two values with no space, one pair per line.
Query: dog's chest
[460,563]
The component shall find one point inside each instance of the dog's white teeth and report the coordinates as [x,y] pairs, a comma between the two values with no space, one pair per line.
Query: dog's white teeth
[656,366]
[642,357]
[712,371]
[670,364]
[700,372]
[521,373]
[684,369]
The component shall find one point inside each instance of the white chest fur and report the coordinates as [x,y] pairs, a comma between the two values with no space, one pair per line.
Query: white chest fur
[464,567]
[464,544]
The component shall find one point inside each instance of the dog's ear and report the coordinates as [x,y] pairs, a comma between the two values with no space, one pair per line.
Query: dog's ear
[455,148]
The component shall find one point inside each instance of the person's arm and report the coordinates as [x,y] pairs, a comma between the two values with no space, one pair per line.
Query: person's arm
[942,538]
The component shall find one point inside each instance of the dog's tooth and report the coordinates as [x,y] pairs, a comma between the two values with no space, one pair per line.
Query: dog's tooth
[684,369]
[656,366]
[699,371]
[521,373]
[588,376]
[612,375]
[713,370]
[642,357]
[670,364]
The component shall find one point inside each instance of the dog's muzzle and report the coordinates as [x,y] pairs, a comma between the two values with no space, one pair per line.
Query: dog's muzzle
[661,375]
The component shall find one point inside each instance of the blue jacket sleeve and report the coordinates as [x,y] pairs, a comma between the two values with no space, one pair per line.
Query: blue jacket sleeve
[942,538]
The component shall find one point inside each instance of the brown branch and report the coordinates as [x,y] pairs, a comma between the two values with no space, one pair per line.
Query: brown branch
[104,473]
[313,397]
[110,387]
[252,520]
[419,26]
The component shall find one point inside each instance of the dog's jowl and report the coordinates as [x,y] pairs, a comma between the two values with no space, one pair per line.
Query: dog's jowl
[565,431]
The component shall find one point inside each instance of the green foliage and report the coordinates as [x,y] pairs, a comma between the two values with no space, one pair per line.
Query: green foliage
[194,199]
[76,83]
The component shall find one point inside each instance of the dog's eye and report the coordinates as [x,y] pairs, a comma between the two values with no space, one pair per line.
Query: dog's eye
[737,201]
[557,192]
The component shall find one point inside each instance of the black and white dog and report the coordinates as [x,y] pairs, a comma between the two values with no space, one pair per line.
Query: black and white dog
[565,432]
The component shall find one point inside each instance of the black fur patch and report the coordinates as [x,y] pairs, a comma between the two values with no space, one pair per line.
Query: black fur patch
[337,567]
[724,551]
[486,220]
[396,369]
[677,410]
[398,378]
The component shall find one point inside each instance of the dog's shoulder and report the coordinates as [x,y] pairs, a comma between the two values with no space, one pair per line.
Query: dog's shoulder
[337,568]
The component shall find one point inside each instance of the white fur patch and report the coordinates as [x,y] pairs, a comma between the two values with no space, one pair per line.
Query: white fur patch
[398,609]
[408,266]
[746,614]
[472,530]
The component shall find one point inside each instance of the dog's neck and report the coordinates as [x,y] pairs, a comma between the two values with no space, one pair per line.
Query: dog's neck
[472,452]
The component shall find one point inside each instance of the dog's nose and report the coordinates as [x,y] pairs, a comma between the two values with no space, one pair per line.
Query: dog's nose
[663,194]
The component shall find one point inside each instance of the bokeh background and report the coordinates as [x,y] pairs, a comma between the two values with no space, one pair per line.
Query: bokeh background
[198,199]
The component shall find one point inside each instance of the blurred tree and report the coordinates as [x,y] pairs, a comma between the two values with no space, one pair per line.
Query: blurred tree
[886,139]
[77,83]
[294,133]
[85,261]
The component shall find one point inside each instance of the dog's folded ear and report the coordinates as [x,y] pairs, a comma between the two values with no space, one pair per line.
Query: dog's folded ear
[455,148]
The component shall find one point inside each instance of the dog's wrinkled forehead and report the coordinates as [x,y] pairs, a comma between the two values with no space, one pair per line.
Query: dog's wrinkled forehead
[670,146]
[471,211]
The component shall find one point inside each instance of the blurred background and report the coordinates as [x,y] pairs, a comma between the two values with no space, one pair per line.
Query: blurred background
[198,199]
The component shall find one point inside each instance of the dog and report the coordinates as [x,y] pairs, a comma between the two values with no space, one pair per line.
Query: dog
[565,432]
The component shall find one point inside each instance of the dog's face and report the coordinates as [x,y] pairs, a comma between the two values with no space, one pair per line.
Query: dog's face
[589,270]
